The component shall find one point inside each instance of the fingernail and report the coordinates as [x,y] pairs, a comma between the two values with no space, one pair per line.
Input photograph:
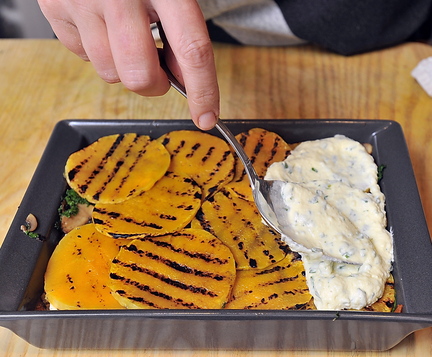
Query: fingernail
[207,121]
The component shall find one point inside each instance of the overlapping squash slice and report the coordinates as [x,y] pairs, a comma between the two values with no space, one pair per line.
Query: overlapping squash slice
[77,275]
[116,167]
[204,157]
[167,207]
[237,223]
[263,148]
[281,286]
[190,269]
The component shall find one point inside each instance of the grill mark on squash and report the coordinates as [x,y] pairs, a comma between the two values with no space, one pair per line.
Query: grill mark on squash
[72,173]
[165,279]
[169,263]
[166,272]
[141,153]
[218,165]
[119,216]
[118,165]
[260,144]
[163,216]
[102,163]
[201,256]
[265,300]
[150,290]
[194,149]
[178,148]
[208,154]
[110,178]
[248,224]
[257,149]
[204,157]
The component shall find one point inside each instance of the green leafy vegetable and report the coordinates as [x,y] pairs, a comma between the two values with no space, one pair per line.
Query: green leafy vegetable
[69,206]
[32,235]
[380,171]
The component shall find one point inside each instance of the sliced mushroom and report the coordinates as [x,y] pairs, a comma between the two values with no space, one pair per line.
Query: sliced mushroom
[30,223]
[82,217]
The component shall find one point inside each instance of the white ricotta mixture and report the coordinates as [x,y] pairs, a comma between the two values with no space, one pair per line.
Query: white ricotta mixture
[332,205]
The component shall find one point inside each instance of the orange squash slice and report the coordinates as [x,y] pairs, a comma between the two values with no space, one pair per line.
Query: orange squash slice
[167,207]
[263,148]
[190,269]
[204,157]
[116,167]
[77,275]
[281,286]
[237,223]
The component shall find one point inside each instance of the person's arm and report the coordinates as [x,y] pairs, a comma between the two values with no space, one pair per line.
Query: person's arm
[115,36]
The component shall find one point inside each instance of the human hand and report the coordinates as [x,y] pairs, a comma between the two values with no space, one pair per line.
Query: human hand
[115,36]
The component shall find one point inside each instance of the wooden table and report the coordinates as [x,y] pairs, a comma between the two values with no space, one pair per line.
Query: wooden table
[42,83]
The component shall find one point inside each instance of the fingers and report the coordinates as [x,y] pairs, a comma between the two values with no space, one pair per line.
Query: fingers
[62,25]
[115,36]
[94,38]
[186,33]
[133,48]
[82,30]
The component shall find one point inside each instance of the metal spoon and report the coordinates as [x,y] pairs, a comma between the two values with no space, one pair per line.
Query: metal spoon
[266,193]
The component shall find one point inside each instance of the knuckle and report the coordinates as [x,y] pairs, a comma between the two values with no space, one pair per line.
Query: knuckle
[195,53]
[139,81]
[204,97]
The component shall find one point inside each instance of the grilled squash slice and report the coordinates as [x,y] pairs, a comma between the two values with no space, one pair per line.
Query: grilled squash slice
[77,275]
[237,223]
[190,269]
[263,148]
[281,286]
[204,157]
[167,207]
[116,167]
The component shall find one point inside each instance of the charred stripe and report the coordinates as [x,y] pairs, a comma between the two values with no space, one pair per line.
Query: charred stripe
[178,148]
[180,285]
[194,148]
[119,216]
[202,256]
[208,154]
[148,289]
[107,155]
[117,167]
[169,263]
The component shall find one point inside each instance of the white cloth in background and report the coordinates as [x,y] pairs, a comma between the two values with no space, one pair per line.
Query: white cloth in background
[251,22]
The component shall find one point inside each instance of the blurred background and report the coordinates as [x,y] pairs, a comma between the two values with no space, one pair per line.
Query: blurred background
[23,19]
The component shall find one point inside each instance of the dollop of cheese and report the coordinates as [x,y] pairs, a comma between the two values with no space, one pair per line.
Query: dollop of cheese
[332,205]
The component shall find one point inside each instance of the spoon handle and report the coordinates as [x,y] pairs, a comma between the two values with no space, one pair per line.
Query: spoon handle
[229,136]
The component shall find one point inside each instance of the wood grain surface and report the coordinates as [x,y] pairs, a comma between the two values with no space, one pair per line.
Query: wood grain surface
[42,83]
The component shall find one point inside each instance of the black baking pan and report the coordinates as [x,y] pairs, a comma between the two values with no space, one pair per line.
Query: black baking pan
[23,260]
